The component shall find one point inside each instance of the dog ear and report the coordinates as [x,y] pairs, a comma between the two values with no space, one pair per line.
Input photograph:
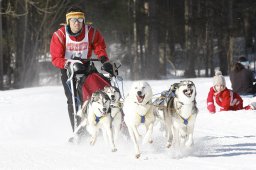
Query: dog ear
[92,97]
[106,96]
[174,87]
[95,96]
[117,89]
[105,88]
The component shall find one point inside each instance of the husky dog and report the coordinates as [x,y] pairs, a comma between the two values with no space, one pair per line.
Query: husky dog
[138,109]
[162,116]
[116,109]
[183,111]
[98,117]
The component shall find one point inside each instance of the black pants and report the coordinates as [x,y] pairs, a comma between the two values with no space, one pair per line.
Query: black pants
[68,94]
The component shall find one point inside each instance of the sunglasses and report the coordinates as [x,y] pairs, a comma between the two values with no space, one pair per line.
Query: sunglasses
[80,20]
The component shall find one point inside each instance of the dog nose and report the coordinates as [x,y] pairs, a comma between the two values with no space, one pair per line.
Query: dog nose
[112,97]
[139,93]
[104,109]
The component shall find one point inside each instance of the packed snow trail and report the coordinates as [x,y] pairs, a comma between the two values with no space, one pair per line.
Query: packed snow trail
[34,130]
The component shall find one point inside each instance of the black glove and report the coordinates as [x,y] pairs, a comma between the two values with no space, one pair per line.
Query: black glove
[79,68]
[108,68]
[103,59]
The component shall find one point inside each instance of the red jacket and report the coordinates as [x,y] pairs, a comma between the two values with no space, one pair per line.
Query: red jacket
[226,99]
[58,45]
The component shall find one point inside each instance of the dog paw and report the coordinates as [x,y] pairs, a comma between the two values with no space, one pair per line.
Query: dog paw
[168,145]
[74,140]
[71,140]
[114,150]
[92,142]
[137,156]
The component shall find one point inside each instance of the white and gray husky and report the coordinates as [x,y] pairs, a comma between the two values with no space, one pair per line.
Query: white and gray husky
[116,109]
[183,111]
[97,116]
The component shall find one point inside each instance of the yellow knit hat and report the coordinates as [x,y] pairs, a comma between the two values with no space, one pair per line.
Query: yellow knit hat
[74,15]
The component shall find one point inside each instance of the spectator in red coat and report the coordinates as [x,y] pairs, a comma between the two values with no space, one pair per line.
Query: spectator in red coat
[226,99]
[76,40]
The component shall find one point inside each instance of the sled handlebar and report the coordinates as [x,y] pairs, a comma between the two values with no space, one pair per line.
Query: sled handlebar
[83,60]
[91,59]
[73,61]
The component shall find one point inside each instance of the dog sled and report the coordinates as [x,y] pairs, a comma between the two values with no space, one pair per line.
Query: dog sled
[85,80]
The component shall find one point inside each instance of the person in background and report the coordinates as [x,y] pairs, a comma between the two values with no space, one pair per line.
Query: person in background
[226,99]
[242,78]
[76,41]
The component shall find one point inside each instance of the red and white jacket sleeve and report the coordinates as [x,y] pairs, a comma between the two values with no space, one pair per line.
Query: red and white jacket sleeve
[98,44]
[210,101]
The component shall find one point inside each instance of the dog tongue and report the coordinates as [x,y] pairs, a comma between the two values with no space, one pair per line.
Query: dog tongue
[188,92]
[140,98]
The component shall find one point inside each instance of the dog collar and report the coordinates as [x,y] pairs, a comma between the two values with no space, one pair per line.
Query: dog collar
[97,119]
[142,118]
[185,121]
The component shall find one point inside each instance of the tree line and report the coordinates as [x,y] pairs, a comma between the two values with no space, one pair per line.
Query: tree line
[151,38]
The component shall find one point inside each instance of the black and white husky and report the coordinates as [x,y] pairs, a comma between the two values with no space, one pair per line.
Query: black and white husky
[162,115]
[183,111]
[97,117]
[116,109]
[138,110]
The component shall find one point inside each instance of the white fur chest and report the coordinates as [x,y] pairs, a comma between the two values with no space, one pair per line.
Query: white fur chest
[115,111]
[140,109]
[184,109]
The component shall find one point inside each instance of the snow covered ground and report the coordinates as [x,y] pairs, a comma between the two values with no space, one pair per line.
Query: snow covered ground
[34,130]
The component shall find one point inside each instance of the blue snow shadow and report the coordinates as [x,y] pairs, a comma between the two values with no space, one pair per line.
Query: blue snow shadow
[226,146]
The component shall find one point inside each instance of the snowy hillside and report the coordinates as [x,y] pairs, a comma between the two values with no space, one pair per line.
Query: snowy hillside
[34,129]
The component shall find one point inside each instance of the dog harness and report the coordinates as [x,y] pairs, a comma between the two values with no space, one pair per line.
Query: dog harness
[97,119]
[185,121]
[142,118]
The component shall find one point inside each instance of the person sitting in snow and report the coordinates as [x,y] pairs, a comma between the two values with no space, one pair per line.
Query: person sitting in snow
[242,78]
[225,98]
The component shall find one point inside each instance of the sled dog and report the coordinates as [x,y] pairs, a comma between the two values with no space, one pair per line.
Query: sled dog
[183,111]
[138,109]
[116,109]
[162,116]
[98,117]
